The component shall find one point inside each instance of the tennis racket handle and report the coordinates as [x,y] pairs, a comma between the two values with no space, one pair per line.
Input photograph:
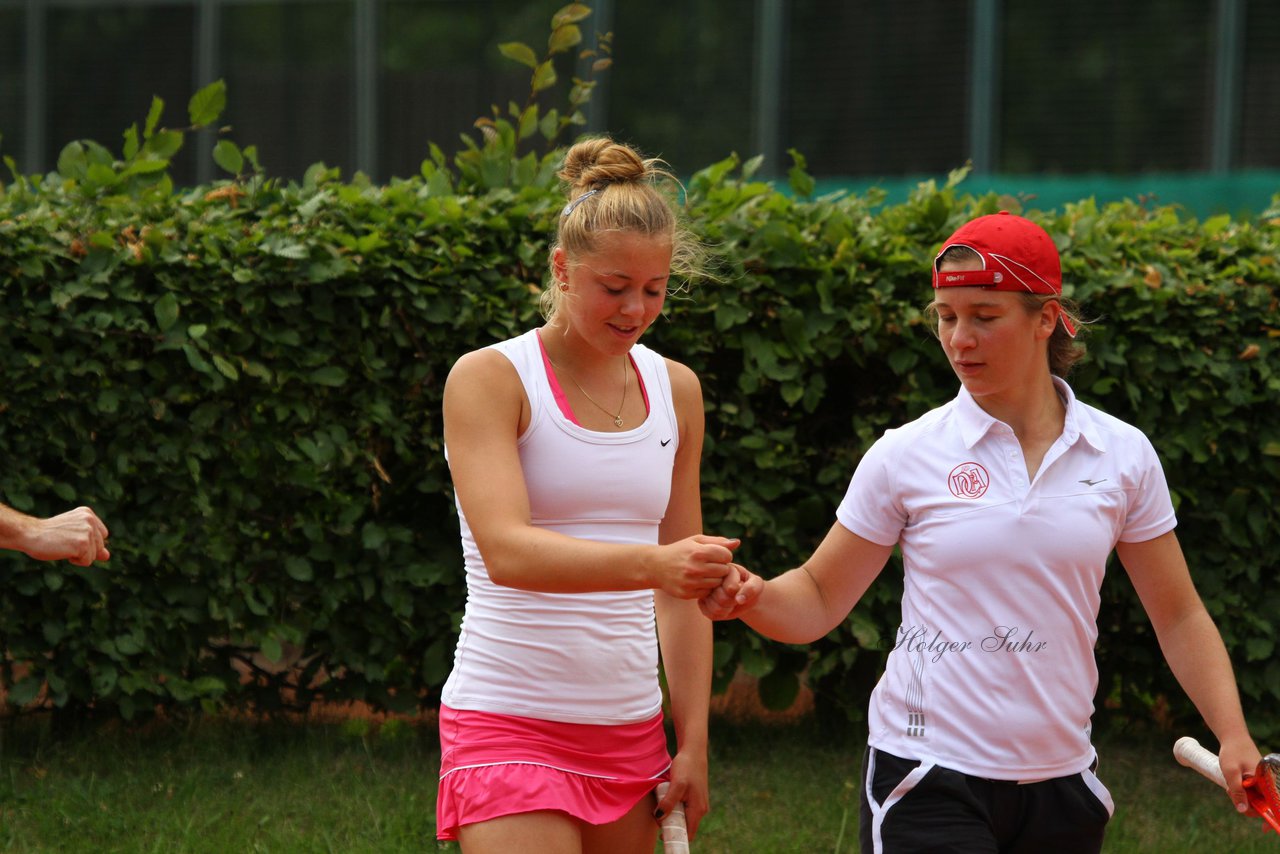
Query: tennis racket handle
[675,835]
[1188,752]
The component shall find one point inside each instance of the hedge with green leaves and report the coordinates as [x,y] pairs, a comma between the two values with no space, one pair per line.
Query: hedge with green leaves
[245,379]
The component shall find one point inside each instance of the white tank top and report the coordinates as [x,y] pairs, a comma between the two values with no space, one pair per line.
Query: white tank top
[572,657]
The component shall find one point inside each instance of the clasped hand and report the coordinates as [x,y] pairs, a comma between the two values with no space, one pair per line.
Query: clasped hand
[738,591]
[690,568]
[701,567]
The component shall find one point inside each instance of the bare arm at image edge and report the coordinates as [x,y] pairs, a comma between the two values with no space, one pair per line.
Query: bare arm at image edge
[78,535]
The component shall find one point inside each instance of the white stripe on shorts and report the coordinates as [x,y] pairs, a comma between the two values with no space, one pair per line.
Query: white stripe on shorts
[880,811]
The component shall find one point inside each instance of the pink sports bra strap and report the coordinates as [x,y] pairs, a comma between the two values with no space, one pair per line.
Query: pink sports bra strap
[558,392]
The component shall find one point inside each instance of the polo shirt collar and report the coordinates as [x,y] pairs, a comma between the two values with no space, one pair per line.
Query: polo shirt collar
[975,423]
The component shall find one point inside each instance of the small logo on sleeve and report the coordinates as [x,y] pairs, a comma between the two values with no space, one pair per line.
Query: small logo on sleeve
[968,480]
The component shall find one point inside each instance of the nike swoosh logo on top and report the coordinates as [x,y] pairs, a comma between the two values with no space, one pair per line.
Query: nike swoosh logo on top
[1087,482]
[665,443]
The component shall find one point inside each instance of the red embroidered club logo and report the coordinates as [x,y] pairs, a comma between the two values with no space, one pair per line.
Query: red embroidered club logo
[968,480]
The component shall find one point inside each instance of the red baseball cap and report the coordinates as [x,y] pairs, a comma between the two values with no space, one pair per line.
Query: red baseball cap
[1017,255]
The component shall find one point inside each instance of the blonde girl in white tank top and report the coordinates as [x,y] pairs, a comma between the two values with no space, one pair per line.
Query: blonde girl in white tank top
[564,570]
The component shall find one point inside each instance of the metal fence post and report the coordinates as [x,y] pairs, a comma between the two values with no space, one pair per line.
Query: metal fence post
[36,88]
[597,113]
[984,86]
[366,86]
[770,40]
[208,38]
[1227,62]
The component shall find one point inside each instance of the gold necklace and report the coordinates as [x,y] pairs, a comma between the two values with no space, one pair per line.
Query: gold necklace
[616,416]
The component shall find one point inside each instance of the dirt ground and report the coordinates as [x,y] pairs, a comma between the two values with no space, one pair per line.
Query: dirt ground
[740,703]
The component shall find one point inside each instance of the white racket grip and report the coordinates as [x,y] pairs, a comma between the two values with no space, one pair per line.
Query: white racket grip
[1188,752]
[675,835]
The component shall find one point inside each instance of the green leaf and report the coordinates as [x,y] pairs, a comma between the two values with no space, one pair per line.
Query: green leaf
[331,375]
[206,105]
[369,243]
[1215,225]
[131,143]
[1259,649]
[194,358]
[225,368]
[104,678]
[571,14]
[24,692]
[525,170]
[312,206]
[299,568]
[163,144]
[373,536]
[153,117]
[166,311]
[54,631]
[108,401]
[256,369]
[227,155]
[544,76]
[801,182]
[209,686]
[722,654]
[528,122]
[757,662]
[564,37]
[145,167]
[902,361]
[128,645]
[580,92]
[520,52]
[100,175]
[865,630]
[778,689]
[282,245]
[549,125]
[73,162]
[271,648]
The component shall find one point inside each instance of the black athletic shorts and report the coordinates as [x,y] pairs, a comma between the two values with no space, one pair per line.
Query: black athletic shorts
[909,806]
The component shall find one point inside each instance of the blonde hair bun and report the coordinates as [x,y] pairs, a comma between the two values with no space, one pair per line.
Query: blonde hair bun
[595,163]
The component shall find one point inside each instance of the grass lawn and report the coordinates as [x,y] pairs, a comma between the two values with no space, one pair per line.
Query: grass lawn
[225,786]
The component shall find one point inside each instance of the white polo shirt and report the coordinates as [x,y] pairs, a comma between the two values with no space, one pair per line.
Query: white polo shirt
[992,670]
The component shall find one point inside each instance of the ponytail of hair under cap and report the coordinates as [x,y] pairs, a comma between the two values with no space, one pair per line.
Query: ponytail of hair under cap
[610,187]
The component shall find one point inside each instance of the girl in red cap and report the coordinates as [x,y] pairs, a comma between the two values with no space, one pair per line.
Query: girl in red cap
[1006,503]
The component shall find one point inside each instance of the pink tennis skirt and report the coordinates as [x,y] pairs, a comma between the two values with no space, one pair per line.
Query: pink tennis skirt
[493,765]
